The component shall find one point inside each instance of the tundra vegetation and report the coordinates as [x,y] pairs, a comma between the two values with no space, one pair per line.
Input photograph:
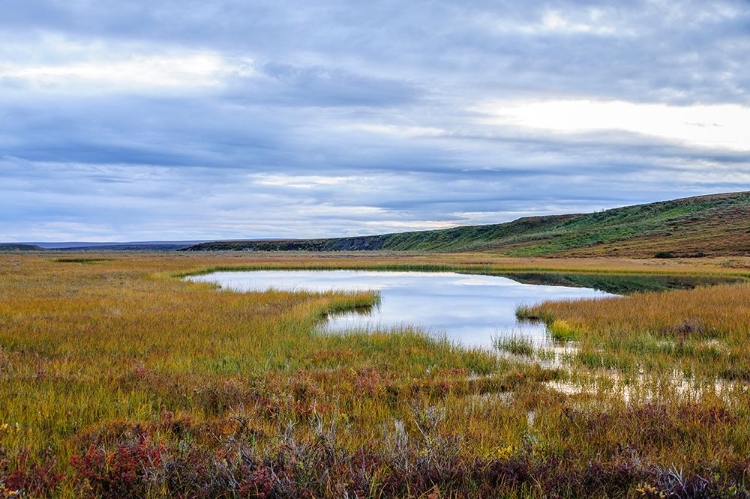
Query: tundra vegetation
[713,225]
[120,379]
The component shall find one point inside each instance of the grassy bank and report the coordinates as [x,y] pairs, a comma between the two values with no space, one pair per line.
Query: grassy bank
[714,225]
[117,379]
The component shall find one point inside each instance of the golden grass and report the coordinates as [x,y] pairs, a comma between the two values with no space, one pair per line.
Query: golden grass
[701,332]
[96,349]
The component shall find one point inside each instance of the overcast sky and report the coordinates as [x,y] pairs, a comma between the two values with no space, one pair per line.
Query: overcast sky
[223,119]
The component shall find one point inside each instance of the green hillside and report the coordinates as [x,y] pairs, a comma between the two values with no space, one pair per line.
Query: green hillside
[710,225]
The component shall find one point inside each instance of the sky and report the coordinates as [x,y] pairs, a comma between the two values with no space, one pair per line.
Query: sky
[244,119]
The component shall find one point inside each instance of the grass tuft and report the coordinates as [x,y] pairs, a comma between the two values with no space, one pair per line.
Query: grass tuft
[515,345]
[562,331]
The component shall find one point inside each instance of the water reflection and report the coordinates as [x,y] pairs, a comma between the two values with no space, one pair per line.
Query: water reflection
[468,309]
[620,284]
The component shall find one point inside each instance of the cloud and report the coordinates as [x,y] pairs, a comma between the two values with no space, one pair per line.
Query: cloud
[135,73]
[286,84]
[231,119]
[717,126]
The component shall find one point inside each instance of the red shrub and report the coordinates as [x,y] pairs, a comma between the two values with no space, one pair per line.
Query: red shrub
[126,472]
[36,480]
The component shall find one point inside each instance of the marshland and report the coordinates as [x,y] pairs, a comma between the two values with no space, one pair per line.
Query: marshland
[467,309]
[119,378]
[556,195]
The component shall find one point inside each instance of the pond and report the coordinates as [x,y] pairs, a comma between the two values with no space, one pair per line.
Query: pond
[468,309]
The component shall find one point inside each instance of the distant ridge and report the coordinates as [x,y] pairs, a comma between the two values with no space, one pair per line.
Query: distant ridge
[711,225]
[128,247]
[108,246]
[19,247]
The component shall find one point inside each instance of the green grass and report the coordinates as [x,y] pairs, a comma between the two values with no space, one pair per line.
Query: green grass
[515,345]
[700,226]
[562,331]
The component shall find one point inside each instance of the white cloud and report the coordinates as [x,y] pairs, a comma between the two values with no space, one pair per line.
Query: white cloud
[591,21]
[396,225]
[396,130]
[714,126]
[555,21]
[302,181]
[57,63]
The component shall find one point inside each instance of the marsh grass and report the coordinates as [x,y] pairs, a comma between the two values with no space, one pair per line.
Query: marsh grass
[701,332]
[120,380]
[561,331]
[516,345]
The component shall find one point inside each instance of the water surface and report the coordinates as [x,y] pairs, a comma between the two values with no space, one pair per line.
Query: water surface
[468,309]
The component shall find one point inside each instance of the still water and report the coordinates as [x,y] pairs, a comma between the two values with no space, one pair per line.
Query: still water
[467,309]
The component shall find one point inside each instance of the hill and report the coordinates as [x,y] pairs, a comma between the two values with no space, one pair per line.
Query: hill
[19,247]
[128,247]
[713,225]
[98,246]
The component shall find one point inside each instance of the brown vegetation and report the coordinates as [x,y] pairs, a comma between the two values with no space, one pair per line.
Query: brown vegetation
[118,379]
